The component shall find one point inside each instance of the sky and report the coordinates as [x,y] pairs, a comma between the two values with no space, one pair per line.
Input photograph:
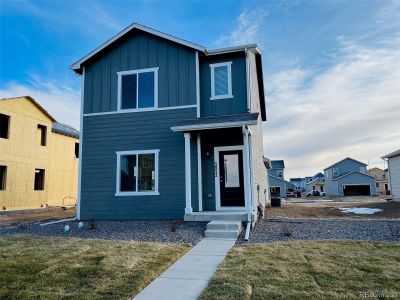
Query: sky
[331,68]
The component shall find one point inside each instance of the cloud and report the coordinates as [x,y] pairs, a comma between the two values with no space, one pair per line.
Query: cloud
[246,29]
[89,17]
[61,101]
[350,109]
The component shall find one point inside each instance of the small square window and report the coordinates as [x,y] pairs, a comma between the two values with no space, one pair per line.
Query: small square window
[39,180]
[138,89]
[221,80]
[4,126]
[3,177]
[42,134]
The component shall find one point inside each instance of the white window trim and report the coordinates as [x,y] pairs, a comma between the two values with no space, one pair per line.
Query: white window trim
[229,66]
[118,176]
[130,72]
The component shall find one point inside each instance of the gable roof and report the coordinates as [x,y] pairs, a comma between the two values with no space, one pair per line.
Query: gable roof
[277,164]
[65,130]
[352,172]
[77,66]
[283,180]
[344,160]
[392,154]
[33,101]
[316,181]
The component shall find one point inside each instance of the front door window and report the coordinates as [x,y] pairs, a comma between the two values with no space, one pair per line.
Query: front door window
[231,178]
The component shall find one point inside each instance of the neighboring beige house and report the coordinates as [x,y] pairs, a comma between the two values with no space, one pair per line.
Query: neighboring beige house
[393,160]
[381,180]
[38,157]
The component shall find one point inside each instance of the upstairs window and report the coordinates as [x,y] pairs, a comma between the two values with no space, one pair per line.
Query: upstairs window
[362,170]
[4,126]
[221,80]
[280,173]
[335,172]
[3,177]
[42,134]
[39,180]
[137,173]
[138,89]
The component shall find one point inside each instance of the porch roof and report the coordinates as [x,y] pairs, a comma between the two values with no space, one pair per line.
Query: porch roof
[216,122]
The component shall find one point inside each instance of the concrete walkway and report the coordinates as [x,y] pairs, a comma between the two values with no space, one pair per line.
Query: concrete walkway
[187,278]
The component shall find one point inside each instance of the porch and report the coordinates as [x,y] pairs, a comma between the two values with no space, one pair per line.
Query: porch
[218,169]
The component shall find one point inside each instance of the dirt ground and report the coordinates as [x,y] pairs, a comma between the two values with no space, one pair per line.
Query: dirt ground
[331,209]
[40,215]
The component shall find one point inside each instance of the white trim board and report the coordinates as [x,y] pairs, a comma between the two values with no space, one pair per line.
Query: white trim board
[218,206]
[213,125]
[118,175]
[78,204]
[125,111]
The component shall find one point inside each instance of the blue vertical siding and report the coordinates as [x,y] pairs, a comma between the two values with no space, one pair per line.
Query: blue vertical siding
[177,71]
[237,104]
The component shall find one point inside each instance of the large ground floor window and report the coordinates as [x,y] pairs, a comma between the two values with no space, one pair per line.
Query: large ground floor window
[137,173]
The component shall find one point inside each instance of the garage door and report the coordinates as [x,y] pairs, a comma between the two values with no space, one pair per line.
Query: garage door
[275,191]
[356,190]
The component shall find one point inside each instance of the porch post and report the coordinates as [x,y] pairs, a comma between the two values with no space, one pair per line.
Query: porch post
[199,173]
[247,183]
[188,184]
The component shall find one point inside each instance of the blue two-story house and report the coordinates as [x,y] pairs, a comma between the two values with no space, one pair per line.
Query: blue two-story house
[170,129]
[348,177]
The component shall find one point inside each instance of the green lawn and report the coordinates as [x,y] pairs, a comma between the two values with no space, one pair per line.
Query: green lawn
[69,268]
[308,270]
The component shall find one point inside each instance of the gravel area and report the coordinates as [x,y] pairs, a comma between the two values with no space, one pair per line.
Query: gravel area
[288,229]
[144,231]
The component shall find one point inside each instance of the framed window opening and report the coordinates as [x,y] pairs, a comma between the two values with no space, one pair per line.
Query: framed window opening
[137,173]
[221,80]
[39,179]
[42,134]
[4,126]
[3,178]
[138,89]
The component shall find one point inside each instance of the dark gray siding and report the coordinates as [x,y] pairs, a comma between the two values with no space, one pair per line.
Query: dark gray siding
[176,74]
[237,104]
[104,135]
[209,140]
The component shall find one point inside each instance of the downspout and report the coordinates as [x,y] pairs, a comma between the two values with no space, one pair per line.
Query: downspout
[248,182]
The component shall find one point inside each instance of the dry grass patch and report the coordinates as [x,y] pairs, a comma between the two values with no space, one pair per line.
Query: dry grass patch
[40,215]
[59,268]
[331,210]
[307,270]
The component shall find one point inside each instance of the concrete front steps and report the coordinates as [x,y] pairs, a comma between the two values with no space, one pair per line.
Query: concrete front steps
[223,229]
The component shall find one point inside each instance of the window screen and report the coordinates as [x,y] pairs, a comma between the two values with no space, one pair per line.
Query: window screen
[221,80]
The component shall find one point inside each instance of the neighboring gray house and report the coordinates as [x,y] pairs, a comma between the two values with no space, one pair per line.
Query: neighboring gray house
[394,173]
[170,129]
[276,178]
[299,183]
[348,178]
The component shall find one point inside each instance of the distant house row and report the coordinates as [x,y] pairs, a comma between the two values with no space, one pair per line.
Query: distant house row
[38,157]
[350,177]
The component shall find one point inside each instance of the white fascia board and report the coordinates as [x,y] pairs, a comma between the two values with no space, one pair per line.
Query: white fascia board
[213,126]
